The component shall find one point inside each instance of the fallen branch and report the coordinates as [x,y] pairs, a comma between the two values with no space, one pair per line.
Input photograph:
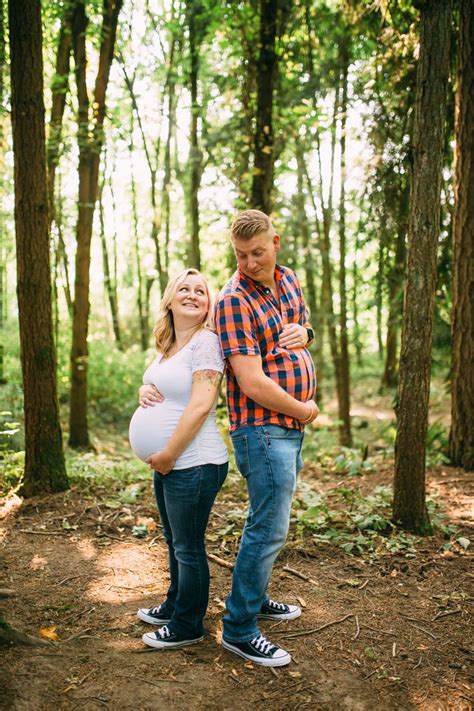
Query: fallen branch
[319,629]
[357,627]
[42,533]
[287,569]
[423,630]
[6,592]
[153,683]
[440,615]
[220,561]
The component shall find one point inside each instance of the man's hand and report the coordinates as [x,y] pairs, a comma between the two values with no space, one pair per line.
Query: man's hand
[161,462]
[148,396]
[293,335]
[313,412]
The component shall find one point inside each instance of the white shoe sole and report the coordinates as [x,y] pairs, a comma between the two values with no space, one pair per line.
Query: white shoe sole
[288,616]
[279,662]
[141,614]
[150,640]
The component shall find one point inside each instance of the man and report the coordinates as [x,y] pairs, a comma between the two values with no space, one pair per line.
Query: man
[262,323]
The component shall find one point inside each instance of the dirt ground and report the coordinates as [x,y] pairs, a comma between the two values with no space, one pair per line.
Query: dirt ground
[387,633]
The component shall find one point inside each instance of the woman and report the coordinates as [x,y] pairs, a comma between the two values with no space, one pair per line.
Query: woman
[174,430]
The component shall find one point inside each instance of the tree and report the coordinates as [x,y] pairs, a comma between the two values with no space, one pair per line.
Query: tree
[461,441]
[44,460]
[90,140]
[264,139]
[409,505]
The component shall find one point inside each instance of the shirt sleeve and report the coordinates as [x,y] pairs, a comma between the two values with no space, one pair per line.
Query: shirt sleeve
[236,327]
[303,309]
[207,353]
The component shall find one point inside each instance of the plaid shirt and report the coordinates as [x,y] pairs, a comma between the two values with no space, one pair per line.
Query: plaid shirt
[249,321]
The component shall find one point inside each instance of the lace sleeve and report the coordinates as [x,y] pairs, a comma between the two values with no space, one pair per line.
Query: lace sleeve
[207,353]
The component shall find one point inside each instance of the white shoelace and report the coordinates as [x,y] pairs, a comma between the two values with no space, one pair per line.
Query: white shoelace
[262,644]
[164,632]
[276,605]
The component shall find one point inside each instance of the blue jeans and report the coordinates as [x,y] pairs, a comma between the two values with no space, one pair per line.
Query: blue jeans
[185,498]
[269,457]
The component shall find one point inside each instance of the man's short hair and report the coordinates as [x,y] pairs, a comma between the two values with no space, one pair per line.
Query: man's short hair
[250,223]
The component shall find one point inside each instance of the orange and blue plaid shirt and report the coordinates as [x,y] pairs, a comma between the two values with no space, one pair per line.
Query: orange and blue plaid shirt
[249,321]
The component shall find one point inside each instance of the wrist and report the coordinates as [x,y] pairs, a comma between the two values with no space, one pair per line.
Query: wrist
[309,414]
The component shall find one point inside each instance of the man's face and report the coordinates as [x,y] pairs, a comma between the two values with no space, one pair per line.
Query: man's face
[256,257]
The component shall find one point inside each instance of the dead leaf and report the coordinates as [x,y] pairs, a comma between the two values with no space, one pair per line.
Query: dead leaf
[49,633]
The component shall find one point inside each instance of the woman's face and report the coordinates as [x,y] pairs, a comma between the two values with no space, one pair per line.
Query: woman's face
[190,303]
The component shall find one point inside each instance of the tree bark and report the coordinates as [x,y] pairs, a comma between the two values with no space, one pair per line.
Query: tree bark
[110,284]
[45,470]
[461,441]
[195,154]
[262,183]
[409,505]
[344,404]
[60,87]
[3,148]
[395,295]
[90,140]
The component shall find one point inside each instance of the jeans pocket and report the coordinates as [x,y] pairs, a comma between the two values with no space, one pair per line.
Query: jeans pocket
[241,452]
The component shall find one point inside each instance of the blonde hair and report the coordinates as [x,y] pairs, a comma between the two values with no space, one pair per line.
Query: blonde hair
[250,223]
[164,331]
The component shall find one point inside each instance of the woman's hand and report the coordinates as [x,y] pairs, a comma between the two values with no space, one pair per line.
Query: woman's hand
[293,335]
[148,396]
[161,462]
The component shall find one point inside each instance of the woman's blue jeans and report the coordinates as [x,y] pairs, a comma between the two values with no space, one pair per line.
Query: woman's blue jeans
[185,498]
[269,457]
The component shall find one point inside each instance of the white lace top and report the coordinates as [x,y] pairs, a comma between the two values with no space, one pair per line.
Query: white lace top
[151,427]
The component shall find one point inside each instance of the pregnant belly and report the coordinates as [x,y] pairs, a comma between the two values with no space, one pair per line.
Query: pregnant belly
[150,430]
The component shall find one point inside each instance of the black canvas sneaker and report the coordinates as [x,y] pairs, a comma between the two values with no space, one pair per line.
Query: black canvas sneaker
[260,651]
[153,615]
[165,639]
[278,611]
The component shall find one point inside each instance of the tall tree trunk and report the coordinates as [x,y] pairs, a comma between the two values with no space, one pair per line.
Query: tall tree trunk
[409,505]
[344,403]
[90,140]
[461,441]
[3,147]
[110,284]
[395,295]
[308,254]
[379,294]
[142,310]
[45,470]
[262,184]
[58,104]
[195,154]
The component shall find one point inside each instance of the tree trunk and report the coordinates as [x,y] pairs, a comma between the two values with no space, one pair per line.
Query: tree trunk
[110,284]
[345,435]
[142,310]
[195,154]
[379,295]
[59,93]
[3,148]
[461,441]
[45,470]
[262,184]
[90,140]
[409,505]
[395,296]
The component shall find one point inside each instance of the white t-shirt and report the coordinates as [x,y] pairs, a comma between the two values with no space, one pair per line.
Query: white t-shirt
[152,427]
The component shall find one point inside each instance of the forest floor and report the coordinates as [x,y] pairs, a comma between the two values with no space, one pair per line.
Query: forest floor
[385,621]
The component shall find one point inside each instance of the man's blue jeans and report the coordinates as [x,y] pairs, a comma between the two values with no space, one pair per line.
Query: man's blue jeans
[269,457]
[185,498]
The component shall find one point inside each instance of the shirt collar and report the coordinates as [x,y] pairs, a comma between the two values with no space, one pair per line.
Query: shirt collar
[247,281]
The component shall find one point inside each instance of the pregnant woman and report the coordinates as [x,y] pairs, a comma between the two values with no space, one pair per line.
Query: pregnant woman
[174,431]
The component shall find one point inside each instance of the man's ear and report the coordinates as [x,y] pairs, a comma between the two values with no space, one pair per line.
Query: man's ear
[276,242]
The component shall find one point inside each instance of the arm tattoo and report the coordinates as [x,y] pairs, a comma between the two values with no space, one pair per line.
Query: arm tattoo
[207,376]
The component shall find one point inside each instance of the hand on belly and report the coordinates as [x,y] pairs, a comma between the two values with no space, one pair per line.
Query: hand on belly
[161,462]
